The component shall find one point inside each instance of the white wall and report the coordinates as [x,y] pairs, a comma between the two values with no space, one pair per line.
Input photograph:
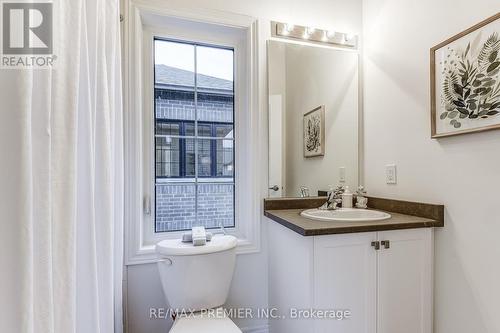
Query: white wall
[461,172]
[249,287]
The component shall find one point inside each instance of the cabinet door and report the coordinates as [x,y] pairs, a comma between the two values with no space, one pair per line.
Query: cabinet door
[345,279]
[405,282]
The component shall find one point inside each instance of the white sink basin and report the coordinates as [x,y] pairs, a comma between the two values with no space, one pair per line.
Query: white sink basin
[345,215]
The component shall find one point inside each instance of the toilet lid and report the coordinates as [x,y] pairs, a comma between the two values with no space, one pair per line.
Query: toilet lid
[204,324]
[175,247]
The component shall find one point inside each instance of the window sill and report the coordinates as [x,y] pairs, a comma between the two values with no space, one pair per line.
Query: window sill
[147,254]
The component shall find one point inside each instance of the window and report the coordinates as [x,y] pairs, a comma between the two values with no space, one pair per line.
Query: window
[240,39]
[194,135]
[175,158]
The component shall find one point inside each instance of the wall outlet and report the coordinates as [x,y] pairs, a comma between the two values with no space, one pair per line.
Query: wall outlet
[342,174]
[390,174]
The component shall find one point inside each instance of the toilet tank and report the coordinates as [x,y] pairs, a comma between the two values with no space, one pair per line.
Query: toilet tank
[196,277]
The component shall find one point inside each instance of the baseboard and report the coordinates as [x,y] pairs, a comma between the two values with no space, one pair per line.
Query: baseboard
[256,329]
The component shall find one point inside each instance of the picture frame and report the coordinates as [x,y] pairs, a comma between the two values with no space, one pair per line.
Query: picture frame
[465,81]
[314,132]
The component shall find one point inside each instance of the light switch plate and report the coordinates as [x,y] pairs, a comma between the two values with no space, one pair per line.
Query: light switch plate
[342,174]
[390,174]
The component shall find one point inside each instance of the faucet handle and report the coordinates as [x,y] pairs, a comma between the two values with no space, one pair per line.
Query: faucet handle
[304,192]
[361,190]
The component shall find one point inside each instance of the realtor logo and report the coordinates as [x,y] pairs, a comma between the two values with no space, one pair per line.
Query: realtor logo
[26,34]
[27,28]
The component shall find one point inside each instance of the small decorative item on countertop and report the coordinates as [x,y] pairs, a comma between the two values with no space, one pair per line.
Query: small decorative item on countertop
[361,200]
[347,198]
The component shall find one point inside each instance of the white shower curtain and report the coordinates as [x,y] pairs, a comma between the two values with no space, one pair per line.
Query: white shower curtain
[61,180]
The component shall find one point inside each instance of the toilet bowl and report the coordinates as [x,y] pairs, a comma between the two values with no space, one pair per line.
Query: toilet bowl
[196,282]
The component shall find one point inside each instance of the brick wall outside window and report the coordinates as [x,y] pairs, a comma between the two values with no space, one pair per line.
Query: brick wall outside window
[175,204]
[180,105]
[175,208]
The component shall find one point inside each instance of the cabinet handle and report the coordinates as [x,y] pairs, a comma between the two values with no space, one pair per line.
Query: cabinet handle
[376,245]
[386,244]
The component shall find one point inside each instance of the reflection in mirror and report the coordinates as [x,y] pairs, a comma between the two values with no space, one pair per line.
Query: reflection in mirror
[313,119]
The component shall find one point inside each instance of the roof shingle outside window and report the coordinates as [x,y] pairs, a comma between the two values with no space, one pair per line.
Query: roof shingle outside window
[170,77]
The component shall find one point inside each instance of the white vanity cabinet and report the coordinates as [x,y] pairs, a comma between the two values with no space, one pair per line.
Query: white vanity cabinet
[387,290]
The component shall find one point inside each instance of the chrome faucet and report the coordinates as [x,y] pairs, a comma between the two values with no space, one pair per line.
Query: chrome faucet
[304,192]
[334,199]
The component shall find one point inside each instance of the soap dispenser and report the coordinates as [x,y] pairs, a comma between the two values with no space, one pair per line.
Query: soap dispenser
[347,198]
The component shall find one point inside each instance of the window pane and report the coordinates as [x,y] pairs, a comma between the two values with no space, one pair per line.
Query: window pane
[167,128]
[225,158]
[205,158]
[167,157]
[189,129]
[189,158]
[215,84]
[215,68]
[174,80]
[224,131]
[217,108]
[175,207]
[204,130]
[216,205]
[174,103]
[174,63]
[171,104]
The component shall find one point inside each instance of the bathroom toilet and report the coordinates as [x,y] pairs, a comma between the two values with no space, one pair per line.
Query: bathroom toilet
[196,282]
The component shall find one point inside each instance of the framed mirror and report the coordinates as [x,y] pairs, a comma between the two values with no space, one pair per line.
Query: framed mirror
[313,119]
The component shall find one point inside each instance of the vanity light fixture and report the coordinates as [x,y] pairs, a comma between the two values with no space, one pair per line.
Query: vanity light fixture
[330,37]
[308,32]
[324,38]
[288,28]
[330,34]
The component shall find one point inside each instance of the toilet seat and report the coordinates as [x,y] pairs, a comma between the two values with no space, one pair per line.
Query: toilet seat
[204,323]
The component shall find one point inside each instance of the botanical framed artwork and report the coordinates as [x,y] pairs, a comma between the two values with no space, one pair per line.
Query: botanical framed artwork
[314,132]
[465,81]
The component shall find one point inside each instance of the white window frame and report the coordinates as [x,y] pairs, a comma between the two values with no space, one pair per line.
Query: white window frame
[150,236]
[140,237]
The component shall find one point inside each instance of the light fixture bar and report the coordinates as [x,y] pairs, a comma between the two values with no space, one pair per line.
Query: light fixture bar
[311,34]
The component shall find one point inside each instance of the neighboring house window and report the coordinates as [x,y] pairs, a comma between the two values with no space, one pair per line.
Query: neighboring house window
[194,136]
[175,158]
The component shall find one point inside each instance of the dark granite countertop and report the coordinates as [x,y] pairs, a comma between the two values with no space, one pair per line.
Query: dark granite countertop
[418,215]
